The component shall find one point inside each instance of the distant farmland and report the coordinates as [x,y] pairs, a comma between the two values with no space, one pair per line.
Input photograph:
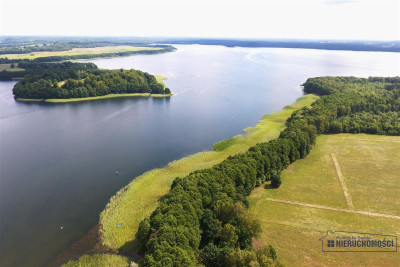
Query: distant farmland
[7,67]
[81,51]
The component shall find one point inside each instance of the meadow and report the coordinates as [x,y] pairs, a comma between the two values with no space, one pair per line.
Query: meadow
[370,167]
[99,260]
[80,51]
[7,67]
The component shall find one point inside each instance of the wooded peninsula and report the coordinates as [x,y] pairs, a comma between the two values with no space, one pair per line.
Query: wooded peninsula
[69,80]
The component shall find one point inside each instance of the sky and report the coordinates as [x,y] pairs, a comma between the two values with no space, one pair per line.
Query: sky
[313,19]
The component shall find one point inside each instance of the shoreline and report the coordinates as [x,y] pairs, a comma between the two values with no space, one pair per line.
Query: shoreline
[69,100]
[89,243]
[140,197]
[144,192]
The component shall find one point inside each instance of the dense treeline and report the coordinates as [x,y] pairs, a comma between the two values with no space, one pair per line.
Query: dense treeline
[355,105]
[77,80]
[203,219]
[164,49]
[10,75]
[33,70]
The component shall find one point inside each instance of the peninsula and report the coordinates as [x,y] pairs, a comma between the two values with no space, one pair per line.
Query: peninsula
[67,81]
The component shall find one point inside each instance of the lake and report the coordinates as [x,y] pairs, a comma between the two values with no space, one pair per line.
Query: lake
[58,161]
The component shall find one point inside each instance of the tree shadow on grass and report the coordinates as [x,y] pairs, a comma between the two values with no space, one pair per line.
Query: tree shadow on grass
[268,186]
[130,250]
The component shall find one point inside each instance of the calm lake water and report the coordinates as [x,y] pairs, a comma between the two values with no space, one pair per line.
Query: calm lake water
[58,161]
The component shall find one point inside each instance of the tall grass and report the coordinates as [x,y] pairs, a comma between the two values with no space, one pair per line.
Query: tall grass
[120,219]
[99,260]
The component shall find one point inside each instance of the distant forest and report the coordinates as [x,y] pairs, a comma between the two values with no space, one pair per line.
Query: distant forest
[30,44]
[384,46]
[78,80]
[204,220]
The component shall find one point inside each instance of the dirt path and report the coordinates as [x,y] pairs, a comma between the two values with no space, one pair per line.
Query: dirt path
[341,180]
[335,209]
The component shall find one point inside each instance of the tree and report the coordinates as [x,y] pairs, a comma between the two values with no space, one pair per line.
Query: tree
[227,236]
[276,179]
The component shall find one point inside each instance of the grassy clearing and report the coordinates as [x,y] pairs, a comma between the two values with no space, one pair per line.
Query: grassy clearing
[139,198]
[370,168]
[99,260]
[63,82]
[80,51]
[7,67]
[160,79]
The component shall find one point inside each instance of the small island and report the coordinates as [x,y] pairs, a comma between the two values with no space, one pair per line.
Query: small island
[69,82]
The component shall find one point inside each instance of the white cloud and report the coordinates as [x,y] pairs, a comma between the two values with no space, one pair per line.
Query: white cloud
[265,19]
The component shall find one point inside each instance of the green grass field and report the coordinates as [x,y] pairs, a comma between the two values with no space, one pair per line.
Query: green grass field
[99,260]
[7,67]
[139,198]
[370,167]
[160,79]
[80,51]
